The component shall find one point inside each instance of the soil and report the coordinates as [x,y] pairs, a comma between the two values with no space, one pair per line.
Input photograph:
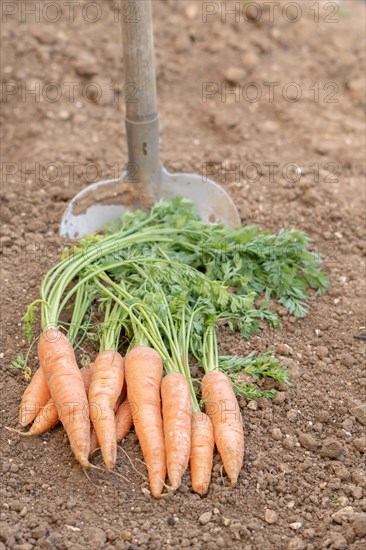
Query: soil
[304,458]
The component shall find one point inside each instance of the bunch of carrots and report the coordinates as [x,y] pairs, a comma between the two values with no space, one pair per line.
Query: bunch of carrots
[163,282]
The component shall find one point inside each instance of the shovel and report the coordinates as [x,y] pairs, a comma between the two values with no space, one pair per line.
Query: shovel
[145,180]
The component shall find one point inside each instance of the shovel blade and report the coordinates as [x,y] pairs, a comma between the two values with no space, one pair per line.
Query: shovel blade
[103,202]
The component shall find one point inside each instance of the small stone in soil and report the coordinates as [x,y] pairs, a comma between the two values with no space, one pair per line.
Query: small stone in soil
[191,11]
[235,74]
[205,518]
[270,516]
[86,65]
[292,415]
[126,535]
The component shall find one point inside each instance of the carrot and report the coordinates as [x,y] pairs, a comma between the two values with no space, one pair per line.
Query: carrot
[67,389]
[105,388]
[123,420]
[177,414]
[202,447]
[121,398]
[48,417]
[224,412]
[94,443]
[34,398]
[144,370]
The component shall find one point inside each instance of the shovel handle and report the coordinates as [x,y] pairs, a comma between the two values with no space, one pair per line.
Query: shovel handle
[138,53]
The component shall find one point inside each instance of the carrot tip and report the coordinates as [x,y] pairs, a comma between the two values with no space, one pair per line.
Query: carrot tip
[17,431]
[175,478]
[201,490]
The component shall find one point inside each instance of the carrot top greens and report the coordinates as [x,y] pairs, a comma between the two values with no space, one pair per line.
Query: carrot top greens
[167,279]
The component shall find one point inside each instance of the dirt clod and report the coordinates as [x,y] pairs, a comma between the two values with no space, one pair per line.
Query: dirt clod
[358,410]
[296,544]
[308,441]
[359,526]
[292,415]
[360,444]
[331,448]
[338,542]
[95,536]
[276,434]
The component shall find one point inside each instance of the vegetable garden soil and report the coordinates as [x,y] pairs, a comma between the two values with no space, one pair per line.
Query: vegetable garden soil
[304,457]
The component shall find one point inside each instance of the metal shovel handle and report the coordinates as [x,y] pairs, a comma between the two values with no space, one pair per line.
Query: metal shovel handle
[142,121]
[138,53]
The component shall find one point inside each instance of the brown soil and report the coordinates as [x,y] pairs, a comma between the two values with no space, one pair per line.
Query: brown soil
[305,451]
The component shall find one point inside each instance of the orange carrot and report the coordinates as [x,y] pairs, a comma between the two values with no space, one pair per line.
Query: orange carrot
[121,398]
[67,390]
[105,388]
[177,415]
[202,447]
[94,443]
[34,398]
[223,409]
[46,419]
[48,416]
[144,370]
[123,420]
